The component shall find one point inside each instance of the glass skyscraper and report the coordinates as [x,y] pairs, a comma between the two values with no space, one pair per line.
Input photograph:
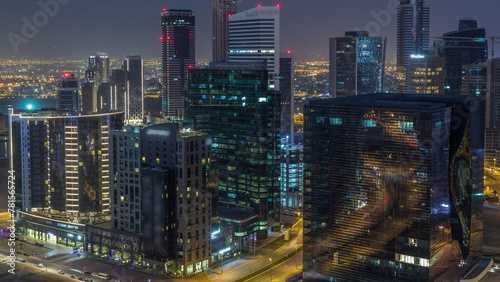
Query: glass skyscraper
[356,64]
[178,56]
[462,47]
[222,10]
[232,103]
[412,36]
[393,187]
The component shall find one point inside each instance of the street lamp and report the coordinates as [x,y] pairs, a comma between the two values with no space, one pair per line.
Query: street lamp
[296,261]
[271,260]
[221,252]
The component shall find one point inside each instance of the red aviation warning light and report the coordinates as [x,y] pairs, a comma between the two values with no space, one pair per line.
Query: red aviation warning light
[289,52]
[190,66]
[66,74]
[279,5]
[259,5]
[161,38]
[164,9]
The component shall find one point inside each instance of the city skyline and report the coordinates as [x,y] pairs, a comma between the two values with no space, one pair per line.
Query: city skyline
[111,33]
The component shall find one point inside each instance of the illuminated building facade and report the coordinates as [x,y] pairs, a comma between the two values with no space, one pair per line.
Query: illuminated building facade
[393,187]
[68,93]
[412,36]
[134,94]
[178,56]
[222,10]
[426,74]
[462,47]
[356,64]
[255,35]
[287,95]
[292,177]
[97,73]
[62,161]
[232,103]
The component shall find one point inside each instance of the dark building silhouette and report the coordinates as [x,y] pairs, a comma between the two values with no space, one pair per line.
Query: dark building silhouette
[222,10]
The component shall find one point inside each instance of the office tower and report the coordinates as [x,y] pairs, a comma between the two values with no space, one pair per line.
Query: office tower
[356,64]
[67,93]
[222,10]
[118,81]
[483,80]
[292,178]
[255,35]
[287,95]
[393,187]
[412,36]
[178,56]
[426,74]
[97,73]
[152,102]
[87,96]
[126,193]
[462,47]
[62,160]
[104,94]
[232,103]
[134,95]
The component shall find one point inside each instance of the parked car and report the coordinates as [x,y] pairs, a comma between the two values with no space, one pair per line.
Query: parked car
[80,278]
[94,274]
[60,272]
[73,276]
[21,260]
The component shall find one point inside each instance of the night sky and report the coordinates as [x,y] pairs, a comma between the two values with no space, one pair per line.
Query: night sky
[120,27]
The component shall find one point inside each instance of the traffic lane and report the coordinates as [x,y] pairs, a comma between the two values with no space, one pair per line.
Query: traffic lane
[47,266]
[281,272]
[28,273]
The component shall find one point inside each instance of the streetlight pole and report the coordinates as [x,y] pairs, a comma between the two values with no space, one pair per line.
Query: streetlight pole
[271,260]
[296,261]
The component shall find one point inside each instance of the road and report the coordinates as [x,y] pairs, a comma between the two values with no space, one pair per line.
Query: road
[243,267]
[281,272]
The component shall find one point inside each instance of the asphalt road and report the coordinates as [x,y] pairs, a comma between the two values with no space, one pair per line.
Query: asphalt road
[281,272]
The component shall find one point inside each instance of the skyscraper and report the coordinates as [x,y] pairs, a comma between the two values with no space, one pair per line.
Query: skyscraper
[462,47]
[357,64]
[62,160]
[287,95]
[68,93]
[255,35]
[232,103]
[426,74]
[118,82]
[221,11]
[97,73]
[393,187]
[412,36]
[134,89]
[178,56]
[292,178]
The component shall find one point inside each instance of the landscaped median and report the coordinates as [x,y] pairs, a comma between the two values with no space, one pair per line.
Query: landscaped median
[283,259]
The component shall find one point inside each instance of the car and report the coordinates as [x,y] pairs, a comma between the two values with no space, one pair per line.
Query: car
[94,274]
[22,260]
[86,272]
[75,248]
[88,280]
[40,265]
[61,272]
[73,276]
[22,239]
[80,278]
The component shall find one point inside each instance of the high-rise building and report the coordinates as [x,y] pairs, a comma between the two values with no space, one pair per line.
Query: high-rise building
[97,73]
[426,74]
[62,160]
[412,36]
[68,93]
[255,35]
[118,82]
[232,103]
[134,94]
[104,95]
[126,193]
[393,187]
[87,96]
[462,47]
[178,56]
[292,178]
[357,64]
[483,80]
[287,94]
[222,10]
